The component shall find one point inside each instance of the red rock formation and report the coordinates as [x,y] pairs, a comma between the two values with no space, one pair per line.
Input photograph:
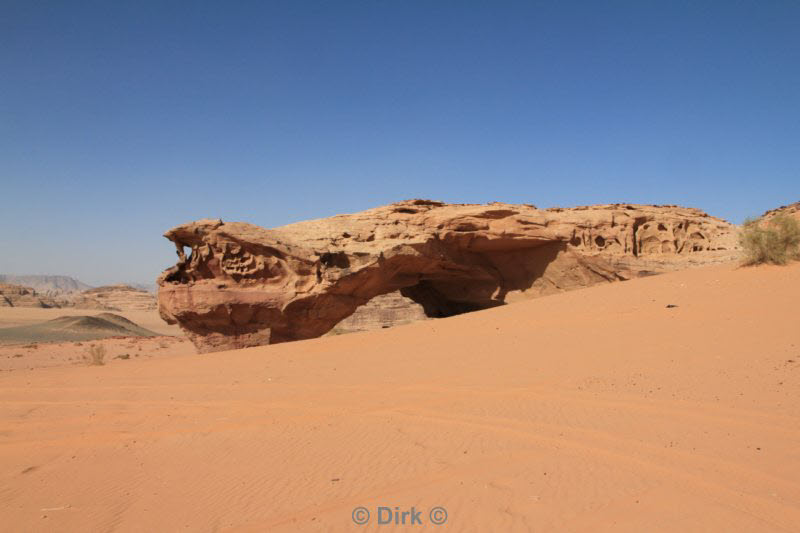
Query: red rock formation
[242,285]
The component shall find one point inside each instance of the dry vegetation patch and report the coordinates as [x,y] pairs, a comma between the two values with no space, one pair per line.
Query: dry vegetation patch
[96,355]
[776,240]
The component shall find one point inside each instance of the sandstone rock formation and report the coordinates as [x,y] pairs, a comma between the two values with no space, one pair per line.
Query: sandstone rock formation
[384,311]
[19,296]
[112,298]
[241,285]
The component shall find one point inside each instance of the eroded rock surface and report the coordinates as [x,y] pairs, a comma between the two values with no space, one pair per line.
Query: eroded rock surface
[384,311]
[238,285]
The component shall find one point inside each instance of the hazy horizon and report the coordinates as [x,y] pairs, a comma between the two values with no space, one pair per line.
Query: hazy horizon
[119,122]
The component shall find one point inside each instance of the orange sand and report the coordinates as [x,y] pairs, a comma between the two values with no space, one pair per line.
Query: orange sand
[594,410]
[119,350]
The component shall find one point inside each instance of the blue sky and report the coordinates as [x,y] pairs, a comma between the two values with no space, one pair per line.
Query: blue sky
[119,120]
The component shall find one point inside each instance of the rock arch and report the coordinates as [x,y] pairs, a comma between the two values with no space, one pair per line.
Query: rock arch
[243,285]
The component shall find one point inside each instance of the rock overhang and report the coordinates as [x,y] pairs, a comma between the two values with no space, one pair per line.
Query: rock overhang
[242,285]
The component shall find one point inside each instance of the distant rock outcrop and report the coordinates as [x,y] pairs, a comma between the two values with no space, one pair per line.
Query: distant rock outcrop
[113,298]
[19,296]
[241,285]
[108,298]
[792,210]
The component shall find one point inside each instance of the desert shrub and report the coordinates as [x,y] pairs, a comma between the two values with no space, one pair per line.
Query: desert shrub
[96,355]
[774,241]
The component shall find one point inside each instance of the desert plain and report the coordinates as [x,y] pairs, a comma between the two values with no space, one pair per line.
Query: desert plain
[665,403]
[407,266]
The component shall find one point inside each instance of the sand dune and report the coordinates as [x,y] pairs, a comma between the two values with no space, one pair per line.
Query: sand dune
[596,410]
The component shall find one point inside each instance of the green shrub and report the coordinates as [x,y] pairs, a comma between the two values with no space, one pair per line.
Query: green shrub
[774,241]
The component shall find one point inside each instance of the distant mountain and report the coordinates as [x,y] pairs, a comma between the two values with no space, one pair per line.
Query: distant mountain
[46,283]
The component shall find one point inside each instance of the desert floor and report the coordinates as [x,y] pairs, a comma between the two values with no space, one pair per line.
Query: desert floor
[119,350]
[594,410]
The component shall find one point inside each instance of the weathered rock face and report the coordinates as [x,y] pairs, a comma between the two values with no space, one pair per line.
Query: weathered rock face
[19,296]
[241,285]
[384,311]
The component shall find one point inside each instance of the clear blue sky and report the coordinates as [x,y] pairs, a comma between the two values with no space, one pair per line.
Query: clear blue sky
[119,120]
